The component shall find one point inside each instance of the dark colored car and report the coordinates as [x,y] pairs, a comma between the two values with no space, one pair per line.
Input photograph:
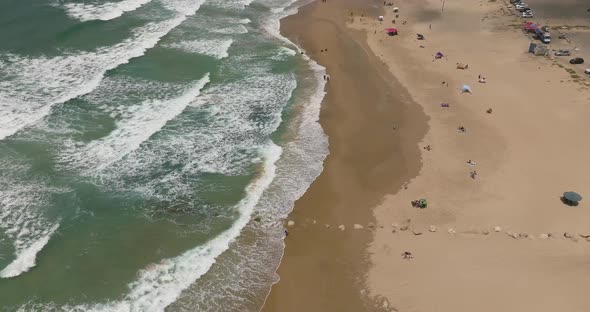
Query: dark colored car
[577,60]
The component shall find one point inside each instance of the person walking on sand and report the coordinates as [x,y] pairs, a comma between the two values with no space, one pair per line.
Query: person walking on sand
[406,255]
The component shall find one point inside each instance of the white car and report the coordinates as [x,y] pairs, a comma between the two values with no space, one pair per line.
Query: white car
[587,71]
[527,14]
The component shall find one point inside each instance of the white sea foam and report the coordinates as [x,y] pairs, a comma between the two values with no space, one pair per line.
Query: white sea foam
[138,123]
[102,11]
[21,218]
[159,286]
[224,143]
[231,30]
[235,4]
[26,254]
[30,87]
[217,48]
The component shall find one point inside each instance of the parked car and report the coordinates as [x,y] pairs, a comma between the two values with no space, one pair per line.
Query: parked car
[530,26]
[577,60]
[587,71]
[562,53]
[527,14]
[523,9]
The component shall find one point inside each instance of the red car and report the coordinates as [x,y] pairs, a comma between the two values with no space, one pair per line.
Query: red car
[530,26]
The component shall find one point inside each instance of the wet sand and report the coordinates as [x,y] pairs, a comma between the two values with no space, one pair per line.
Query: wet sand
[323,268]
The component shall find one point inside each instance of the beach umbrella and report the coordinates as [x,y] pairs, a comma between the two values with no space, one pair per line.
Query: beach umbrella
[572,196]
[466,88]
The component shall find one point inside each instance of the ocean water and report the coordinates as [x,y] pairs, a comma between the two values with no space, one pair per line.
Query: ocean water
[149,151]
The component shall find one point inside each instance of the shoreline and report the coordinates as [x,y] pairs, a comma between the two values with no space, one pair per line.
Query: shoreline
[368,159]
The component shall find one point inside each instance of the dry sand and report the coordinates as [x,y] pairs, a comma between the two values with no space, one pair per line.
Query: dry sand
[528,151]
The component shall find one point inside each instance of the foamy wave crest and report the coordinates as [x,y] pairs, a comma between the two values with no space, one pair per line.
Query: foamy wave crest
[160,285]
[217,48]
[239,117]
[138,124]
[235,4]
[231,30]
[102,11]
[30,87]
[22,220]
[26,253]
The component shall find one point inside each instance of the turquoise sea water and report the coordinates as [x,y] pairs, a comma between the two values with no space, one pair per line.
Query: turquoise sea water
[148,152]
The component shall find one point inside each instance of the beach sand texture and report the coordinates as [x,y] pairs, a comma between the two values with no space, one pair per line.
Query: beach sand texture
[368,159]
[528,151]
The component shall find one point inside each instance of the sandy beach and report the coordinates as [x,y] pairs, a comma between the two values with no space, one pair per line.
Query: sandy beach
[368,159]
[500,240]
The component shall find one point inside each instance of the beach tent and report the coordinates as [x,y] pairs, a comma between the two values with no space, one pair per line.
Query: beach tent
[466,89]
[438,55]
[395,10]
[571,198]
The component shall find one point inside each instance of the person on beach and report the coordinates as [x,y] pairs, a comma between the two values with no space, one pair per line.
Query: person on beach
[406,255]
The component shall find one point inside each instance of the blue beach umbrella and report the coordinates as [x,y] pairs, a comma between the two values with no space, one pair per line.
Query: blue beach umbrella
[465,89]
[572,196]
